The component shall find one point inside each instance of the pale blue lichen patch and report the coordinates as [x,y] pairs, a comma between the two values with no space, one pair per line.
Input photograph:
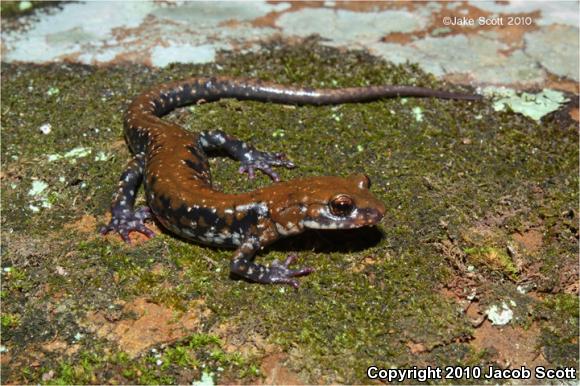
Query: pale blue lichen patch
[418,113]
[58,34]
[204,15]
[38,187]
[193,32]
[553,12]
[24,5]
[206,380]
[52,91]
[40,195]
[501,314]
[441,31]
[552,47]
[534,106]
[45,128]
[101,33]
[101,156]
[455,54]
[77,152]
[161,56]
[347,27]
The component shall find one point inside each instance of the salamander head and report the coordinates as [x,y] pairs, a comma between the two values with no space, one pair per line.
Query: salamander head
[329,203]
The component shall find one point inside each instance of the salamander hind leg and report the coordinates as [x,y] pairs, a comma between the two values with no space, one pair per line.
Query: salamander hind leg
[251,158]
[242,265]
[124,218]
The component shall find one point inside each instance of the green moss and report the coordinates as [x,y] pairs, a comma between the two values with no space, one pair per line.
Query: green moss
[559,338]
[463,166]
[494,259]
[179,356]
[17,280]
[565,305]
[181,362]
[10,320]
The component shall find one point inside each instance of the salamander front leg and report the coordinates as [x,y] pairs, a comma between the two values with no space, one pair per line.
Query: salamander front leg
[250,158]
[124,218]
[242,265]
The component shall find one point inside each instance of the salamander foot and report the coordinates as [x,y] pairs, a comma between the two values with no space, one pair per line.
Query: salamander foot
[124,222]
[281,274]
[276,273]
[264,161]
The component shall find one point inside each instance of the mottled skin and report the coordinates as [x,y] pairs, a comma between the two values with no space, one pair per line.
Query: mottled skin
[172,165]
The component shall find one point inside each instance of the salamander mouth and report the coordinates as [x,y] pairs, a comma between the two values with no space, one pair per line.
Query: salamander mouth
[358,219]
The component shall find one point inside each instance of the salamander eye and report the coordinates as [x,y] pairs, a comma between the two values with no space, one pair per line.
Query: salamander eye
[341,205]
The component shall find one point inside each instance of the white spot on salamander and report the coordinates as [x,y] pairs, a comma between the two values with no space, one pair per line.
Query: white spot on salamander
[315,225]
[282,230]
[260,208]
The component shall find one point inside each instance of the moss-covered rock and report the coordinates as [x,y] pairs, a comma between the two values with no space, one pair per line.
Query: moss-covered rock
[462,169]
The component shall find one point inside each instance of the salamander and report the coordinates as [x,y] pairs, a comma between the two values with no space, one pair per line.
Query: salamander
[172,165]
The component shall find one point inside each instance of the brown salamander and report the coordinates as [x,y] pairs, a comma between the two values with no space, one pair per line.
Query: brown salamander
[172,164]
